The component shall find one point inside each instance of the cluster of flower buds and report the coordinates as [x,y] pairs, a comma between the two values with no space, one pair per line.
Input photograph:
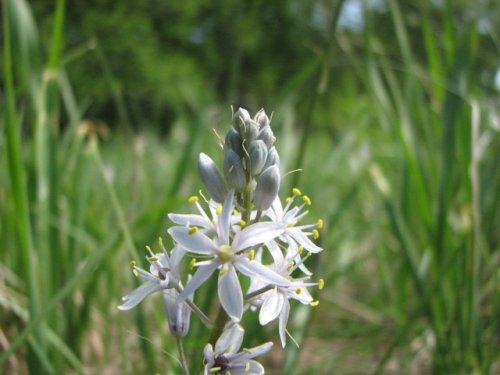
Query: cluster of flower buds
[251,162]
[244,231]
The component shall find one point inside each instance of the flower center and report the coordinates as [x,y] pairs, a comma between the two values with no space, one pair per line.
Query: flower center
[225,253]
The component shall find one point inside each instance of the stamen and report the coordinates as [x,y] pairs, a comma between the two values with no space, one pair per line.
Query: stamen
[314,303]
[148,248]
[160,242]
[153,259]
[320,223]
[218,210]
[290,266]
[315,234]
[193,199]
[242,223]
[223,270]
[301,249]
[298,291]
[306,200]
[251,254]
[296,191]
[192,230]
[132,263]
[135,272]
[247,366]
[215,369]
[288,199]
[321,284]
[191,264]
[246,350]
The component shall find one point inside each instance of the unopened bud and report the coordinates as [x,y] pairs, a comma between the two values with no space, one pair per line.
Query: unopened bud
[233,171]
[262,119]
[266,134]
[239,118]
[211,178]
[272,158]
[257,152]
[251,130]
[267,188]
[233,141]
[178,314]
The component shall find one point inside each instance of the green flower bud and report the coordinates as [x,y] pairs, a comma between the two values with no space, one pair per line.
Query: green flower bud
[267,188]
[233,171]
[257,152]
[266,134]
[211,178]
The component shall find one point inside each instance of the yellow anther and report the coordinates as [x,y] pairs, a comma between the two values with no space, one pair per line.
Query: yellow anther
[296,191]
[153,259]
[298,291]
[288,199]
[218,210]
[306,200]
[148,248]
[192,230]
[315,234]
[135,272]
[215,369]
[242,223]
[235,211]
[160,242]
[193,199]
[314,303]
[321,284]
[225,253]
[290,225]
[247,366]
[132,263]
[246,350]
[191,264]
[251,254]
[290,266]
[301,249]
[320,223]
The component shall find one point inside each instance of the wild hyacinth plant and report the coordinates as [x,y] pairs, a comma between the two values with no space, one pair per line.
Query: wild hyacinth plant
[242,230]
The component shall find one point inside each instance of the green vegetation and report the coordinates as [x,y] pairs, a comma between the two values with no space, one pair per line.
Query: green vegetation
[105,106]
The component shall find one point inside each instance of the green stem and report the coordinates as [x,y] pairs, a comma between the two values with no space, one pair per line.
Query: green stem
[182,354]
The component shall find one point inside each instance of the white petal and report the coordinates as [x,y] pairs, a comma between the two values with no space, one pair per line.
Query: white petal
[201,275]
[231,339]
[257,233]
[271,307]
[254,368]
[283,321]
[137,295]
[255,269]
[259,350]
[196,243]
[190,220]
[303,240]
[230,294]
[224,219]
[277,255]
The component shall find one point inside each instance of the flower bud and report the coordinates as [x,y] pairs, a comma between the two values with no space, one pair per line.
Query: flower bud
[233,171]
[250,131]
[234,141]
[262,119]
[257,152]
[211,178]
[272,158]
[267,188]
[178,314]
[239,118]
[266,134]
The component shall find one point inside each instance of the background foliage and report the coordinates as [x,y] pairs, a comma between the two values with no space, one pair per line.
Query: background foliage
[389,107]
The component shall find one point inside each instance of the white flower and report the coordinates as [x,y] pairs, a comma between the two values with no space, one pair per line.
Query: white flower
[275,302]
[228,256]
[226,359]
[163,274]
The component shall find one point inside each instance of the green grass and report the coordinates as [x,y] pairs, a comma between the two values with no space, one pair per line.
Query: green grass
[399,158]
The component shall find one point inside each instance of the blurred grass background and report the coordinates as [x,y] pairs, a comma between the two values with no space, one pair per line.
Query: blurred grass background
[391,108]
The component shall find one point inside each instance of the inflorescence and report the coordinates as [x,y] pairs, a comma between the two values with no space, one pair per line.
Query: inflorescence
[241,230]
